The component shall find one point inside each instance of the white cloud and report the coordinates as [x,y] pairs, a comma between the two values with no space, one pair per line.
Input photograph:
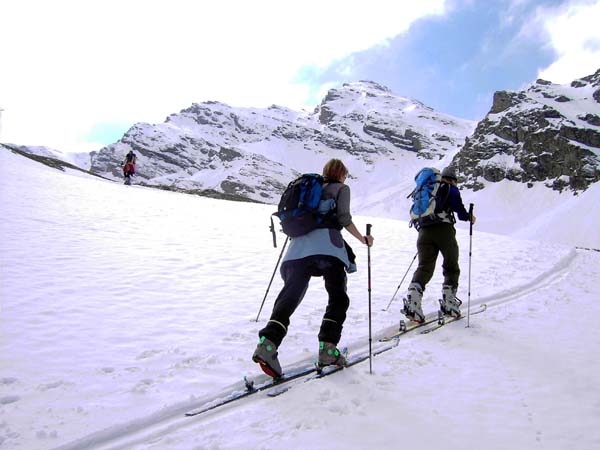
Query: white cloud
[71,64]
[574,32]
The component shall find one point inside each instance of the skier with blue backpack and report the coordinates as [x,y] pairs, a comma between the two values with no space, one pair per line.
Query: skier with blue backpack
[435,201]
[313,211]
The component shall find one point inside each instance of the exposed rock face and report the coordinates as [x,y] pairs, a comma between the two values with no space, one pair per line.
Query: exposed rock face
[254,153]
[549,133]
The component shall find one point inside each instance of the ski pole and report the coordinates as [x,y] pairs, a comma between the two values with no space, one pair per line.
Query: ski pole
[369,279]
[272,230]
[470,257]
[273,276]
[401,281]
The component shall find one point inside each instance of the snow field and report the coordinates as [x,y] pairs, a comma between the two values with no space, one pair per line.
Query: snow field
[122,307]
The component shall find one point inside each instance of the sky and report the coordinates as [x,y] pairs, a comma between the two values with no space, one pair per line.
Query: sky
[75,76]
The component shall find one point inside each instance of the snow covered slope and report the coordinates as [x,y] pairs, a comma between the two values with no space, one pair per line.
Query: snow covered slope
[123,307]
[81,160]
[531,167]
[255,152]
[534,163]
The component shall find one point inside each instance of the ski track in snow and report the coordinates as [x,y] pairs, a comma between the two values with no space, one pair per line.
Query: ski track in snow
[161,424]
[125,307]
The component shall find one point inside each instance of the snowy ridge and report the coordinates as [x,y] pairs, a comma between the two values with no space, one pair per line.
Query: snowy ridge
[547,134]
[254,152]
[81,160]
[534,151]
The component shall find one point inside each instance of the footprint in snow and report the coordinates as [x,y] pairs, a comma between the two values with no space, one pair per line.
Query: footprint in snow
[8,399]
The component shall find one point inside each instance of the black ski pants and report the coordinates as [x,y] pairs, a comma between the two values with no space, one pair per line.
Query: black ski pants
[432,240]
[296,276]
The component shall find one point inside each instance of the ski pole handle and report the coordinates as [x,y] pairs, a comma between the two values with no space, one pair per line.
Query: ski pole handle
[368,233]
[471,218]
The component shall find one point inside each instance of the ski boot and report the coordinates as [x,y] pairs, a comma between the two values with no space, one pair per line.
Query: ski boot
[329,355]
[266,355]
[449,303]
[412,303]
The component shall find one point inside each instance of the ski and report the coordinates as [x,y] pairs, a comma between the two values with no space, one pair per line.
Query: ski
[403,328]
[444,320]
[277,391]
[278,385]
[303,374]
[320,370]
[250,389]
[329,370]
[429,319]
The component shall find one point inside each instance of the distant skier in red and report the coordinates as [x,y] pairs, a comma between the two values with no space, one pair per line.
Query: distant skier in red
[129,166]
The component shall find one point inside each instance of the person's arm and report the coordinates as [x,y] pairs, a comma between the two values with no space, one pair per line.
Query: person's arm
[345,218]
[367,240]
[456,204]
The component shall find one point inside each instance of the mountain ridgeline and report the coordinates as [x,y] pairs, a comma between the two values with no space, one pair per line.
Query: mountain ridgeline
[254,153]
[546,134]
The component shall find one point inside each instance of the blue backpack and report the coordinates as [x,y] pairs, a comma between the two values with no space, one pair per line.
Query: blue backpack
[422,211]
[298,209]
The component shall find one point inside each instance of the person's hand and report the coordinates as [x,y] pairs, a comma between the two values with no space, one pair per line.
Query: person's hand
[368,240]
[473,219]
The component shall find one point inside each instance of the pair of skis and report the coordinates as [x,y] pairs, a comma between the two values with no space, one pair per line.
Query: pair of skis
[278,386]
[443,320]
[282,383]
[438,319]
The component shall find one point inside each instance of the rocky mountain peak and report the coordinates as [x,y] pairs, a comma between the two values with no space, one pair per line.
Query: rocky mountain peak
[594,80]
[548,133]
[255,152]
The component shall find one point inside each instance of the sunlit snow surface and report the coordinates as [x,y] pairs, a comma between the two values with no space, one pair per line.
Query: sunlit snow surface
[123,307]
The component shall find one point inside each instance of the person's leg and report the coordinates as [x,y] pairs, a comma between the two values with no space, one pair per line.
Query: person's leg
[334,275]
[428,250]
[296,276]
[449,303]
[335,314]
[449,249]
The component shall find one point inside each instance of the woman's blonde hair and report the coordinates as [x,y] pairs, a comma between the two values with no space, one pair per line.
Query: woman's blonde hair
[335,170]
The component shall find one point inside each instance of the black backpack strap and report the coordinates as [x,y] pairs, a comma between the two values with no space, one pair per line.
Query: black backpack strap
[441,202]
[442,205]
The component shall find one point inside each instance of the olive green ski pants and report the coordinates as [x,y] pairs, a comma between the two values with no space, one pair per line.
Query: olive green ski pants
[432,240]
